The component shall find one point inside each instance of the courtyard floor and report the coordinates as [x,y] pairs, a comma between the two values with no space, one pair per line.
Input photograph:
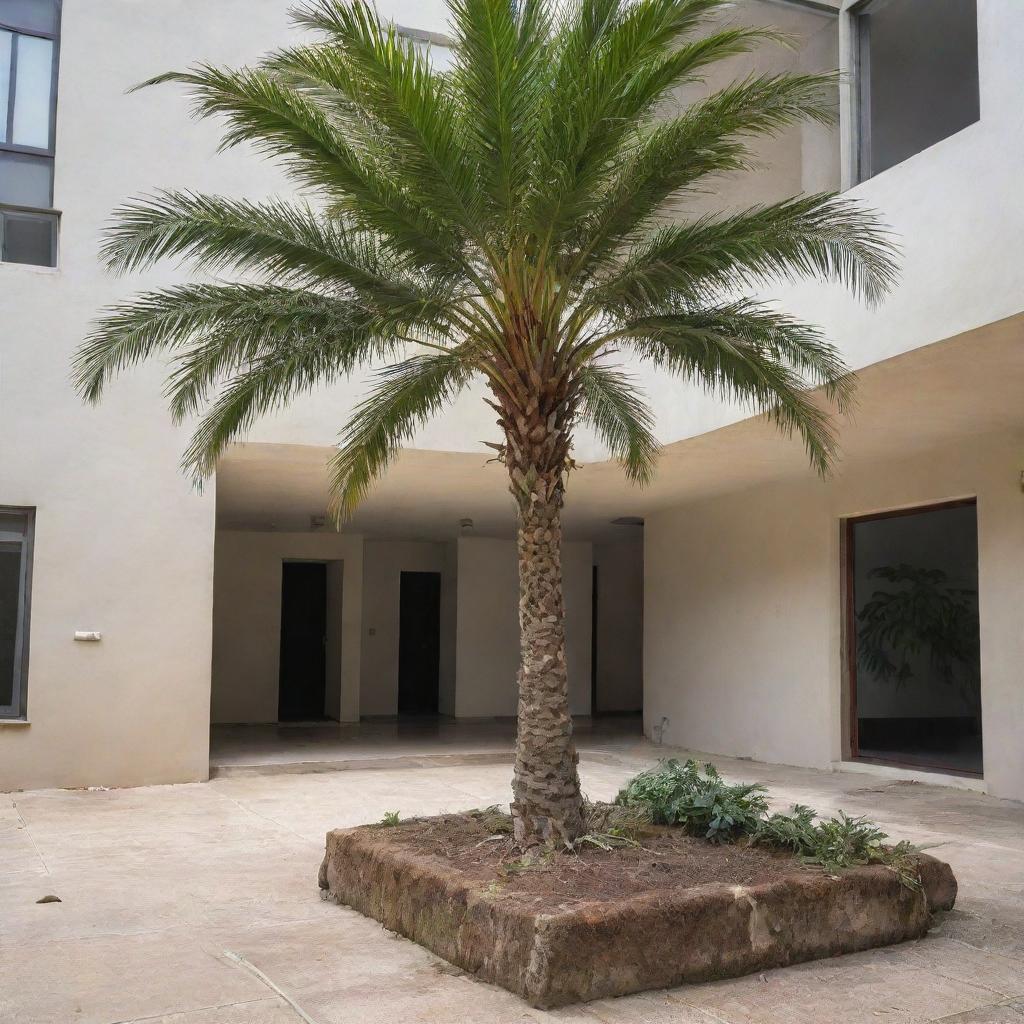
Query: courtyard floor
[198,904]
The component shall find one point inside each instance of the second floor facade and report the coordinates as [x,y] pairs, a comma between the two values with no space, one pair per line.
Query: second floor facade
[930,134]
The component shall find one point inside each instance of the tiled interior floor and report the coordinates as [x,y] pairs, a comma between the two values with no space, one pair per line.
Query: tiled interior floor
[174,897]
[266,749]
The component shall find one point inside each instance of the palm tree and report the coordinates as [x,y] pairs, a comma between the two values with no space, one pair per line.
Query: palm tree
[519,218]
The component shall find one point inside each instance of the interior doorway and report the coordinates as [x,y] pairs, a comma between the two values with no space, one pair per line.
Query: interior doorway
[419,643]
[302,676]
[914,638]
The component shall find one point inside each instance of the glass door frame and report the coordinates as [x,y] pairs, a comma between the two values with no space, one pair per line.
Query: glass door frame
[848,549]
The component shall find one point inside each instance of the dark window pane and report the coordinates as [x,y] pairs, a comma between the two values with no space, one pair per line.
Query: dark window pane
[26,180]
[28,238]
[30,15]
[10,610]
[918,77]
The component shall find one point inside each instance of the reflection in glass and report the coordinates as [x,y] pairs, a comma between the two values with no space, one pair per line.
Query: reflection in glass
[32,88]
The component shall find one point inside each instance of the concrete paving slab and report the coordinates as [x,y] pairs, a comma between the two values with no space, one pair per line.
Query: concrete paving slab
[159,882]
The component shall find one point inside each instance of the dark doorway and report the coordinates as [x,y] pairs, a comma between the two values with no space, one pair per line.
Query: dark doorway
[303,667]
[914,638]
[419,643]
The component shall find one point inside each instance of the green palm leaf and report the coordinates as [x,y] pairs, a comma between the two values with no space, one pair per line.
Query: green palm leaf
[611,405]
[404,397]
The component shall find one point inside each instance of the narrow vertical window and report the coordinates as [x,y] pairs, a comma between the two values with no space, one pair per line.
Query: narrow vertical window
[15,589]
[28,102]
[917,77]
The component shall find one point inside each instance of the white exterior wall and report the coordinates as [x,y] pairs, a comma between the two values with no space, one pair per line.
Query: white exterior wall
[743,651]
[247,621]
[383,565]
[124,545]
[487,656]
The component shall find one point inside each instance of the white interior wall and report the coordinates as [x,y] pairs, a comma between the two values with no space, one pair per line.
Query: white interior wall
[449,626]
[384,561]
[742,645]
[620,624]
[247,620]
[487,657]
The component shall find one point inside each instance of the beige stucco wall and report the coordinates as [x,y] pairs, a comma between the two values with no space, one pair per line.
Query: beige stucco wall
[742,648]
[487,655]
[125,545]
[247,621]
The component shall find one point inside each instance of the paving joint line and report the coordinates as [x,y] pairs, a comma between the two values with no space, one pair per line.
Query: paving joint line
[31,838]
[247,965]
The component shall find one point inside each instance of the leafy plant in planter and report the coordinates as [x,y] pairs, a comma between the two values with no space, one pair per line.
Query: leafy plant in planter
[694,796]
[519,221]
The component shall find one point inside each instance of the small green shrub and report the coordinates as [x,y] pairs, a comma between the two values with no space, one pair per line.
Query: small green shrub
[793,831]
[694,796]
[390,818]
[837,843]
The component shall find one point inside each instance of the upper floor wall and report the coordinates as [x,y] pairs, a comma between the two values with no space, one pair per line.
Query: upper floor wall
[953,205]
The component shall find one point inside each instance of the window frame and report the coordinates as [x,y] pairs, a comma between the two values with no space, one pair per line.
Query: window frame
[861,92]
[847,561]
[54,37]
[50,151]
[17,710]
[33,213]
[858,136]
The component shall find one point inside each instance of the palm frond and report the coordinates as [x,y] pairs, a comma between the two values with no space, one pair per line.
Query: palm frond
[405,396]
[285,242]
[263,109]
[602,95]
[820,236]
[775,335]
[241,318]
[709,138]
[501,78]
[269,382]
[611,404]
[414,111]
[730,366]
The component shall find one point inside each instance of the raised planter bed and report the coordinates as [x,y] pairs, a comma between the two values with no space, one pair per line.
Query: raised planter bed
[608,923]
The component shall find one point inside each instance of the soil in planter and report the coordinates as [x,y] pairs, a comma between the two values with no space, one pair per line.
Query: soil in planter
[666,860]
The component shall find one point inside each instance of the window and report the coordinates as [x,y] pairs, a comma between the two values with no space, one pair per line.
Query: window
[917,77]
[15,591]
[28,96]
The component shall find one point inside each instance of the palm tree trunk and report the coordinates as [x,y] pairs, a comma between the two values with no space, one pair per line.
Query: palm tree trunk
[548,807]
